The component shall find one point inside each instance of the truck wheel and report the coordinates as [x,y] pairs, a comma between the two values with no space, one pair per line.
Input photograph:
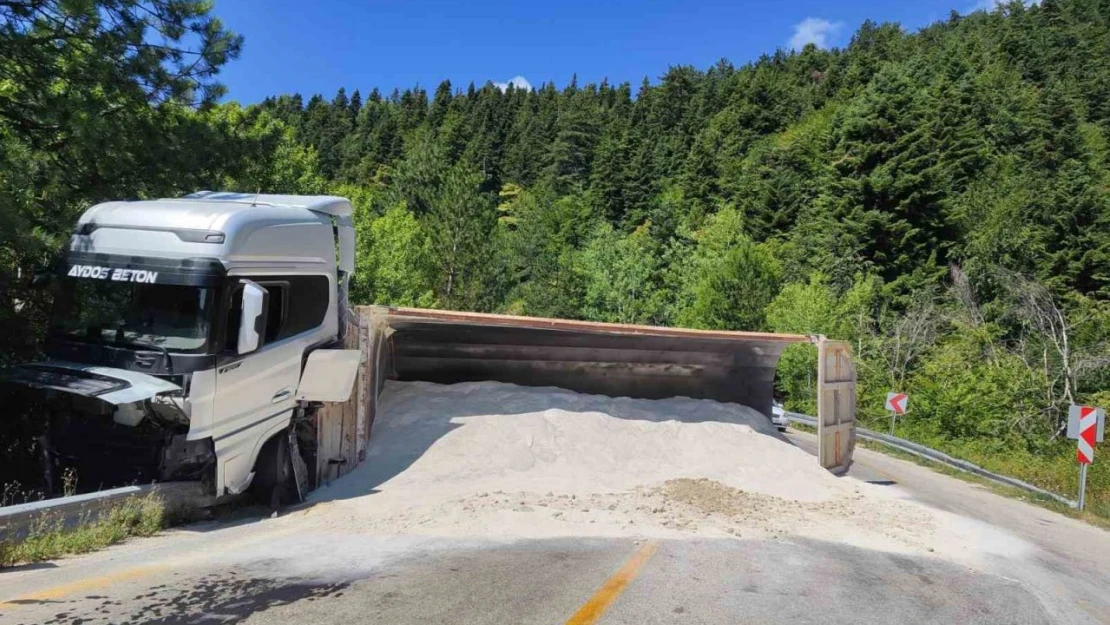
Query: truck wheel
[273,473]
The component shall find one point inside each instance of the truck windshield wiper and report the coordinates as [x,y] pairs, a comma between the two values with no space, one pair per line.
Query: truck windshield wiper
[161,348]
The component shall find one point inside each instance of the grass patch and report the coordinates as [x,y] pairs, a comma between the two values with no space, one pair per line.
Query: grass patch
[802,427]
[49,537]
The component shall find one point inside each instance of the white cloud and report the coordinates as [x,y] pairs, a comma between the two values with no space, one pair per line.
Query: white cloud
[814,30]
[518,82]
[990,5]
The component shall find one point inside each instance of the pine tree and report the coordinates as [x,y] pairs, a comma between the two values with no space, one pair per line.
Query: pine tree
[608,177]
[487,134]
[441,103]
[355,106]
[571,153]
[461,221]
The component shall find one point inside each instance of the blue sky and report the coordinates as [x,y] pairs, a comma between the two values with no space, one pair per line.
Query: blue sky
[318,46]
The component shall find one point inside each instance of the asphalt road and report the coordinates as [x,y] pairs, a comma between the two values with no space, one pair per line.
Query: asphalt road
[259,571]
[1070,569]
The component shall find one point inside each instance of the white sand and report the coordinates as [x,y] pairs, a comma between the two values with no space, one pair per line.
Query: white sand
[495,460]
[492,436]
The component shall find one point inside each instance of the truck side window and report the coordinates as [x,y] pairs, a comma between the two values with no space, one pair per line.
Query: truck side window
[275,315]
[296,304]
[307,304]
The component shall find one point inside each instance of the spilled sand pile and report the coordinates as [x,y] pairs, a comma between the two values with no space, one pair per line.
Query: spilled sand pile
[493,460]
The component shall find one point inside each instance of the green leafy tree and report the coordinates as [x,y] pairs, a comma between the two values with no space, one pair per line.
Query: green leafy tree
[543,234]
[965,406]
[394,262]
[815,308]
[273,160]
[623,277]
[95,104]
[729,280]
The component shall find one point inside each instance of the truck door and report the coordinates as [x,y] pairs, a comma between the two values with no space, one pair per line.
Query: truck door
[836,405]
[255,392]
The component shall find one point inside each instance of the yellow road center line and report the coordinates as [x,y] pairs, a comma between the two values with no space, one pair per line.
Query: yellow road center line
[57,592]
[592,610]
[130,574]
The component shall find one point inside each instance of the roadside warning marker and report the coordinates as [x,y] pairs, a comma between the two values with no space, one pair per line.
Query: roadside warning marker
[897,402]
[1087,425]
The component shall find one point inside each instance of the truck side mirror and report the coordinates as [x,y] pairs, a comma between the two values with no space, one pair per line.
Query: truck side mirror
[252,323]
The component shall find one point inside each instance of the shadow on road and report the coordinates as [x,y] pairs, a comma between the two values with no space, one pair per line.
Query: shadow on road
[219,598]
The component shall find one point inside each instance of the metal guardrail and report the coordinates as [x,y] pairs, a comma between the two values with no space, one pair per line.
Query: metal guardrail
[177,497]
[939,456]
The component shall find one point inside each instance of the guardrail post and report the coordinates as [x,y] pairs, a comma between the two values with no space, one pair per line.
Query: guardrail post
[1082,485]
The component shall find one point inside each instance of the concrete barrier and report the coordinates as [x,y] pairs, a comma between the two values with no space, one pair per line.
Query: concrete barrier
[178,497]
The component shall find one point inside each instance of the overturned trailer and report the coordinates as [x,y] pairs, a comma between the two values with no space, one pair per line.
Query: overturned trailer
[648,362]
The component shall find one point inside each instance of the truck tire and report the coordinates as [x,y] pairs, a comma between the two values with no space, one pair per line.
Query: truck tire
[273,473]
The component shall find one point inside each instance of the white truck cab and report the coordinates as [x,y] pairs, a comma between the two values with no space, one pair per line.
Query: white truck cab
[182,331]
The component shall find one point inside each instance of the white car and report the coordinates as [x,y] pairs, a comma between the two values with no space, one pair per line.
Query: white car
[778,416]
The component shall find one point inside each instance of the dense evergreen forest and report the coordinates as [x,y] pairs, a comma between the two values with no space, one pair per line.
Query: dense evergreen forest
[938,197]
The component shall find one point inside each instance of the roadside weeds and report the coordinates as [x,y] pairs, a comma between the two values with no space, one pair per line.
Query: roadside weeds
[48,537]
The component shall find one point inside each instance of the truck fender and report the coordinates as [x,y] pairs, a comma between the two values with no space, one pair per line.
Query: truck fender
[275,430]
[241,487]
[237,459]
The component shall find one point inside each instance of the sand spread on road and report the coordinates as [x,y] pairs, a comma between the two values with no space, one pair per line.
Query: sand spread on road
[493,460]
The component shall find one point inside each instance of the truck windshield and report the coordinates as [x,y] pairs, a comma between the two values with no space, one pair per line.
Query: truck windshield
[170,316]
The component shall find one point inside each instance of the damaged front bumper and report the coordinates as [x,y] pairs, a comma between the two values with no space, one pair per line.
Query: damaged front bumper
[107,427]
[115,386]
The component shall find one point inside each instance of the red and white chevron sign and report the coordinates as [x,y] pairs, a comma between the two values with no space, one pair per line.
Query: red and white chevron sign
[1086,425]
[897,402]
[1088,422]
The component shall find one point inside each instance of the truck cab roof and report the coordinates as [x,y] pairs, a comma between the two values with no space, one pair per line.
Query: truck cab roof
[234,228]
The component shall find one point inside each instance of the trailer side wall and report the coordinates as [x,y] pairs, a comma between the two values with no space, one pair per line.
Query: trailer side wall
[608,359]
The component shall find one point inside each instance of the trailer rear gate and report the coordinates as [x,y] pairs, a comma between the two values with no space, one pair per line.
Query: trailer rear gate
[588,357]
